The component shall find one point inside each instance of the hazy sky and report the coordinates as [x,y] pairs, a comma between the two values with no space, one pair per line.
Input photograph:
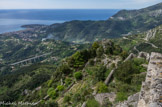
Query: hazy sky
[76,4]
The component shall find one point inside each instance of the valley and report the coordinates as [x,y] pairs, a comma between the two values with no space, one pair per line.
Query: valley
[85,63]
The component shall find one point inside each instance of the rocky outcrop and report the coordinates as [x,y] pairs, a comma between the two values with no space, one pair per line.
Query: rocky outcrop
[131,56]
[144,55]
[101,98]
[151,91]
[131,102]
[150,34]
[84,104]
[156,13]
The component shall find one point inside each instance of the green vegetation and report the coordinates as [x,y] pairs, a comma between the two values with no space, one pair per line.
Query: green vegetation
[92,103]
[125,22]
[129,77]
[102,88]
[67,99]
[87,67]
[129,42]
[95,45]
[127,70]
[13,49]
[65,69]
[60,88]
[121,96]
[78,59]
[49,103]
[78,75]
[52,93]
[72,73]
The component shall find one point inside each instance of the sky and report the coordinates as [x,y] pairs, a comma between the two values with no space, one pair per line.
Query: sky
[76,4]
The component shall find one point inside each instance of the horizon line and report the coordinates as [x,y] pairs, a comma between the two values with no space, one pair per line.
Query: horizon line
[72,9]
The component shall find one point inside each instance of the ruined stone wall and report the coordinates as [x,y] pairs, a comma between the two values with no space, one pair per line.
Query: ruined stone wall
[151,91]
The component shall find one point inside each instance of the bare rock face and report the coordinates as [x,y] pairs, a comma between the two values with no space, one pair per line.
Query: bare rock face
[155,13]
[25,92]
[131,56]
[151,92]
[84,104]
[101,97]
[131,102]
[105,43]
[144,55]
[150,34]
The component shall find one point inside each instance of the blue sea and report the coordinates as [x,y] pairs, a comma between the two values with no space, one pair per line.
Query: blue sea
[12,20]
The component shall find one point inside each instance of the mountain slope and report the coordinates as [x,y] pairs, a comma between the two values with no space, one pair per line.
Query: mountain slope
[125,22]
[149,41]
[78,79]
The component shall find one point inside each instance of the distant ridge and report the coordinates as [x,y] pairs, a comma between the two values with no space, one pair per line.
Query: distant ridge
[125,22]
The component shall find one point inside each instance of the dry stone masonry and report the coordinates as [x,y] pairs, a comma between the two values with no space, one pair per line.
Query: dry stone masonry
[151,91]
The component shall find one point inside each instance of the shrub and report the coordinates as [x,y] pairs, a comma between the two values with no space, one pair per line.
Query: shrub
[124,55]
[92,53]
[67,99]
[51,103]
[95,45]
[37,80]
[60,88]
[52,93]
[85,93]
[50,83]
[117,50]
[77,60]
[109,50]
[102,88]
[138,78]
[92,103]
[126,71]
[100,73]
[121,96]
[68,81]
[76,98]
[65,69]
[139,61]
[91,62]
[78,75]
[99,51]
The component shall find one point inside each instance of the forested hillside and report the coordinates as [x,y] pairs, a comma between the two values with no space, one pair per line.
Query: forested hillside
[81,68]
[125,22]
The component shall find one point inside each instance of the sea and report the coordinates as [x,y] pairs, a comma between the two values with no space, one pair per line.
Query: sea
[12,20]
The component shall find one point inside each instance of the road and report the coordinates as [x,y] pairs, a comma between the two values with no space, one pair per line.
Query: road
[29,59]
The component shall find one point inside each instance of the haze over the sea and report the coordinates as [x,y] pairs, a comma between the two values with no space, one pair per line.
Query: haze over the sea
[76,4]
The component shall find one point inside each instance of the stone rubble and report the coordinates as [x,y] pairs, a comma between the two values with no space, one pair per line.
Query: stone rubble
[101,97]
[131,102]
[144,55]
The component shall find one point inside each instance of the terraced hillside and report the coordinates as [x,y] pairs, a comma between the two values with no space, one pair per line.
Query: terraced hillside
[149,41]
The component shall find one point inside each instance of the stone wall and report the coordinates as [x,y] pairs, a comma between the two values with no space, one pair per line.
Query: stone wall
[151,91]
